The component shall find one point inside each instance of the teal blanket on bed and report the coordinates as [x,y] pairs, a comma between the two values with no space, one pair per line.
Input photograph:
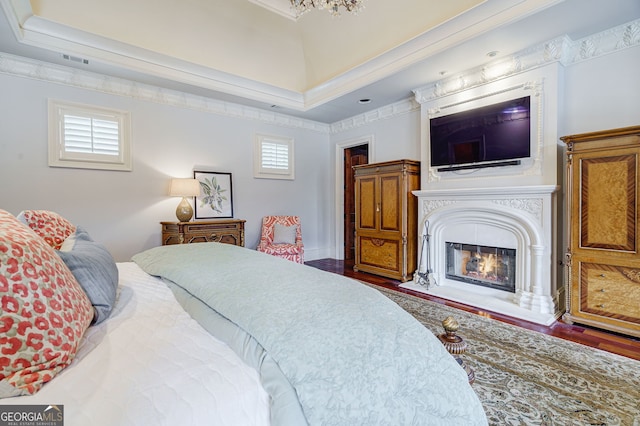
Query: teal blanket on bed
[353,356]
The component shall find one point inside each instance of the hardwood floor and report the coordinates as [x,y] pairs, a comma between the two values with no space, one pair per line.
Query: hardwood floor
[607,341]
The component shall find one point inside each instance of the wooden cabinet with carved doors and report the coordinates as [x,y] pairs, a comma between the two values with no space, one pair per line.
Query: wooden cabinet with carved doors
[386,218]
[604,262]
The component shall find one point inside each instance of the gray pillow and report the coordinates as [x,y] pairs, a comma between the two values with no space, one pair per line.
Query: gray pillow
[284,234]
[95,270]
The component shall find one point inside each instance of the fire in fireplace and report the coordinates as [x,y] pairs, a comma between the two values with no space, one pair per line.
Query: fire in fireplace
[482,265]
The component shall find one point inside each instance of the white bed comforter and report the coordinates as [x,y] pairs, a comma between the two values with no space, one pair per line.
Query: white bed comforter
[150,363]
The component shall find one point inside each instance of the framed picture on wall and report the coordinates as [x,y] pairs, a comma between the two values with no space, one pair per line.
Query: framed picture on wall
[215,199]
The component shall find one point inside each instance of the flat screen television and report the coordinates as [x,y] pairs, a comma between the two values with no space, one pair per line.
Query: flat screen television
[488,136]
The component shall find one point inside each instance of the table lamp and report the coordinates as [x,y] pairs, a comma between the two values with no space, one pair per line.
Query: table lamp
[184,188]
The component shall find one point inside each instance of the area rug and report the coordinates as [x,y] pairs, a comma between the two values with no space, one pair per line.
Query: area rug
[523,377]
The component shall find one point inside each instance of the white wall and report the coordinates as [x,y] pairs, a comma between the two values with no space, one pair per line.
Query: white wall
[123,209]
[602,93]
[394,137]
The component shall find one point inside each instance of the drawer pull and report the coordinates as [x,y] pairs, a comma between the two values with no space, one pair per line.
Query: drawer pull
[602,275]
[602,290]
[601,305]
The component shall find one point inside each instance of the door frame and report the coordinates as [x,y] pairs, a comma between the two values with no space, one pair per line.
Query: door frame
[339,190]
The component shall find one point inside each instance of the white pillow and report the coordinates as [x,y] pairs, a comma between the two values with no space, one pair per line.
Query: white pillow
[284,234]
[69,243]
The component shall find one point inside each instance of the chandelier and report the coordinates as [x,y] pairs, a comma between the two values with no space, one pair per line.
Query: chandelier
[333,6]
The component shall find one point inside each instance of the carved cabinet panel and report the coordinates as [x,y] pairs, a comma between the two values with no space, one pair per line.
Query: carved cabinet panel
[386,218]
[604,262]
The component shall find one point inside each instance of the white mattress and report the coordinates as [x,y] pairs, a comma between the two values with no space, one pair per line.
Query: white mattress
[151,363]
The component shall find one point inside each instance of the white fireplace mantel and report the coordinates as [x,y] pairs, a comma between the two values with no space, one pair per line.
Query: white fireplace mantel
[520,218]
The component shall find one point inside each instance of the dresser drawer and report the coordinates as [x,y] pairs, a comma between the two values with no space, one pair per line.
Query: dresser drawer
[229,231]
[171,234]
[610,291]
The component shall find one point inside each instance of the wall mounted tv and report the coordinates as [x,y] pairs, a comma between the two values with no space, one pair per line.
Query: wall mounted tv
[489,136]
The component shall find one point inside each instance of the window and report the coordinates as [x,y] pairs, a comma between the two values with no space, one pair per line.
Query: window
[87,137]
[273,157]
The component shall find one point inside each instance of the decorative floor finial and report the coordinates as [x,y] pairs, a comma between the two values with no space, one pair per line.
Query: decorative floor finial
[455,344]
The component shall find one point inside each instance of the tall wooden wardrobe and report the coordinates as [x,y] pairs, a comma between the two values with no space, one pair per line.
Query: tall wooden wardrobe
[386,218]
[603,257]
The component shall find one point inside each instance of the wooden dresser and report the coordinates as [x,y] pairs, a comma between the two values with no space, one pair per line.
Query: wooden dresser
[603,258]
[228,231]
[386,218]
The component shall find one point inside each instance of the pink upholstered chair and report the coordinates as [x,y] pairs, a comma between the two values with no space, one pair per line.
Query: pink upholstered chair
[282,237]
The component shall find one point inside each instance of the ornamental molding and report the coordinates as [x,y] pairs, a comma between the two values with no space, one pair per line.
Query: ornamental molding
[533,206]
[388,111]
[536,162]
[44,71]
[561,49]
[429,206]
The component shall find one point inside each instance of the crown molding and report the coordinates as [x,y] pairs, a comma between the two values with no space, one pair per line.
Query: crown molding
[465,27]
[43,71]
[382,113]
[561,49]
[35,31]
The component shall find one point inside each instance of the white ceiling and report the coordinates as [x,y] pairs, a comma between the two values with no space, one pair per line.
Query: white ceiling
[257,53]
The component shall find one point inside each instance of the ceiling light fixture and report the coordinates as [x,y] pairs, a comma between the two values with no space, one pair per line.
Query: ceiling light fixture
[333,6]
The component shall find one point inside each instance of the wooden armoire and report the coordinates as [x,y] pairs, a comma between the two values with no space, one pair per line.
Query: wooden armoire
[604,242]
[386,218]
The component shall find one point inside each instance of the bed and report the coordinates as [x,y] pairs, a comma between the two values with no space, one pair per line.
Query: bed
[212,333]
[150,363]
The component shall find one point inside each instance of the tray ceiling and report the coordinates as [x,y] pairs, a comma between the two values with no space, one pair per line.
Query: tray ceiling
[316,66]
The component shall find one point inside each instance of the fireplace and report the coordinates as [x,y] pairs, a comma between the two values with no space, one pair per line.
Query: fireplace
[513,228]
[492,267]
[514,207]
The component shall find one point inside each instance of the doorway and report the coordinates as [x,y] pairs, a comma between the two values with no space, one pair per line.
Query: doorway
[353,156]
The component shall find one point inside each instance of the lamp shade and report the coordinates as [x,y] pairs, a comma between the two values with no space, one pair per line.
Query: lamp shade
[184,187]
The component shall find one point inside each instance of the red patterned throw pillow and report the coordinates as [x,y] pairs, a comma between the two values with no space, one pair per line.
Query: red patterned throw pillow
[49,225]
[44,312]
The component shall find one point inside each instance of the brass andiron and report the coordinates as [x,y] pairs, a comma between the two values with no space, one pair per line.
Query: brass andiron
[455,344]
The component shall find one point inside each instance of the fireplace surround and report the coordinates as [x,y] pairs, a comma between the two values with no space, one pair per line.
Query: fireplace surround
[515,218]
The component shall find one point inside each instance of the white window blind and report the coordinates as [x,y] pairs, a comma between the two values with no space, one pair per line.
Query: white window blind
[273,157]
[82,136]
[90,135]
